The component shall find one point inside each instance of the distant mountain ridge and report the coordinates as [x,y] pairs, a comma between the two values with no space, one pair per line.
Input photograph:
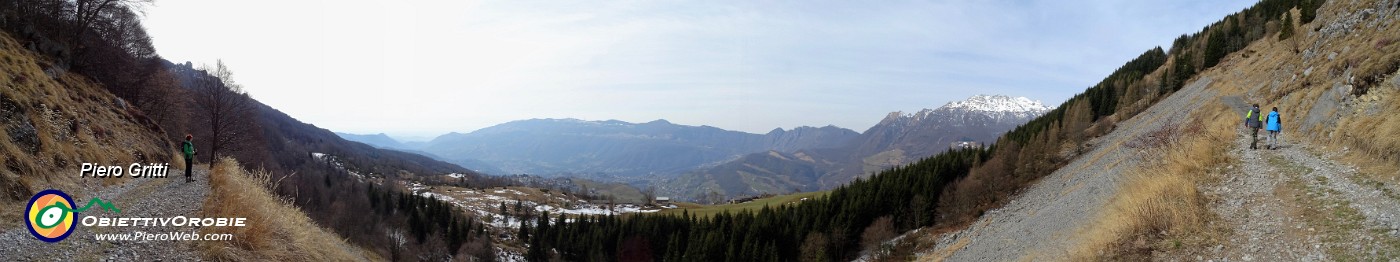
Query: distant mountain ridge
[379,140]
[897,139]
[384,141]
[806,137]
[618,148]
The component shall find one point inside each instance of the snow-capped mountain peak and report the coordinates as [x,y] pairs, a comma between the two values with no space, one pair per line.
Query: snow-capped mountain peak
[998,103]
[994,107]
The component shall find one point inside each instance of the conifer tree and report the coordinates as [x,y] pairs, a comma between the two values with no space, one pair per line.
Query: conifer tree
[1286,28]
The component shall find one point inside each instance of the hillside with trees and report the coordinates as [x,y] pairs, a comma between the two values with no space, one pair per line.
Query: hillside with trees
[103,43]
[944,191]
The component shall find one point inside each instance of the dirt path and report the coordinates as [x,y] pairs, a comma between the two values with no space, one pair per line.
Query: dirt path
[1292,204]
[142,197]
[1039,222]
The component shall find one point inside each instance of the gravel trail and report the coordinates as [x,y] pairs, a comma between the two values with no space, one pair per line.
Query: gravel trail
[1292,204]
[1039,222]
[140,197]
[1259,224]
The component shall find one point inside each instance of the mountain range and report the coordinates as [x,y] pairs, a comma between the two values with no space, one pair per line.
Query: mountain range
[687,161]
[616,148]
[896,140]
[379,140]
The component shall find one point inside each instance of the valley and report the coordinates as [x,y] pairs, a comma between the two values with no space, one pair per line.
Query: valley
[707,164]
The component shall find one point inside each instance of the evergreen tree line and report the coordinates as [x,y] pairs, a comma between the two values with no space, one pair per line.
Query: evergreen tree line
[1207,48]
[827,227]
[952,188]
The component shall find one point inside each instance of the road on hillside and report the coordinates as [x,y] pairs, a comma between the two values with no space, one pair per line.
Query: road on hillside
[140,197]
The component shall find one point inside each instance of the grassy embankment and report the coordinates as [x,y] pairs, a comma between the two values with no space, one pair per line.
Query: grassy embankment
[1159,203]
[275,230]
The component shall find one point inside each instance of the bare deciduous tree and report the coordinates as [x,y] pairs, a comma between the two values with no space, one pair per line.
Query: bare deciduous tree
[877,233]
[164,101]
[814,247]
[225,110]
[649,194]
[87,11]
[397,240]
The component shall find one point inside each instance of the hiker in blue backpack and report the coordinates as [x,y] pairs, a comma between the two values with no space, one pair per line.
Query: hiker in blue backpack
[1252,120]
[1273,126]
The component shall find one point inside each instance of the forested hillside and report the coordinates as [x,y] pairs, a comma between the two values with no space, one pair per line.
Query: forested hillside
[84,44]
[824,228]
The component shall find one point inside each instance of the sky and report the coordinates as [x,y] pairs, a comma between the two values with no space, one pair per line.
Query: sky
[425,68]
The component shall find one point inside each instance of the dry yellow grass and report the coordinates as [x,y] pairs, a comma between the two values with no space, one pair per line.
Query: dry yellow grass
[1375,133]
[1374,141]
[275,230]
[1160,199]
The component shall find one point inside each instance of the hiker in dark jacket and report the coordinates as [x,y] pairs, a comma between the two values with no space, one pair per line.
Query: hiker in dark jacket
[188,149]
[1253,120]
[1273,125]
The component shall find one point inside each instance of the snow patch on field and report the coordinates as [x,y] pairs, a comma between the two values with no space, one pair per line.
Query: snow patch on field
[587,209]
[440,197]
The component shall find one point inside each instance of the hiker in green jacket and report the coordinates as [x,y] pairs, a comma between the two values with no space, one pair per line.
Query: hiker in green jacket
[1253,120]
[188,149]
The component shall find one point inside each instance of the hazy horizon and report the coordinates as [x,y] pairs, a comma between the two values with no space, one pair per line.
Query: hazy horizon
[426,68]
[411,137]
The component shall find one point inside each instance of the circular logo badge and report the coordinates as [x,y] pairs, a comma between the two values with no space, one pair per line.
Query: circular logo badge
[48,215]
